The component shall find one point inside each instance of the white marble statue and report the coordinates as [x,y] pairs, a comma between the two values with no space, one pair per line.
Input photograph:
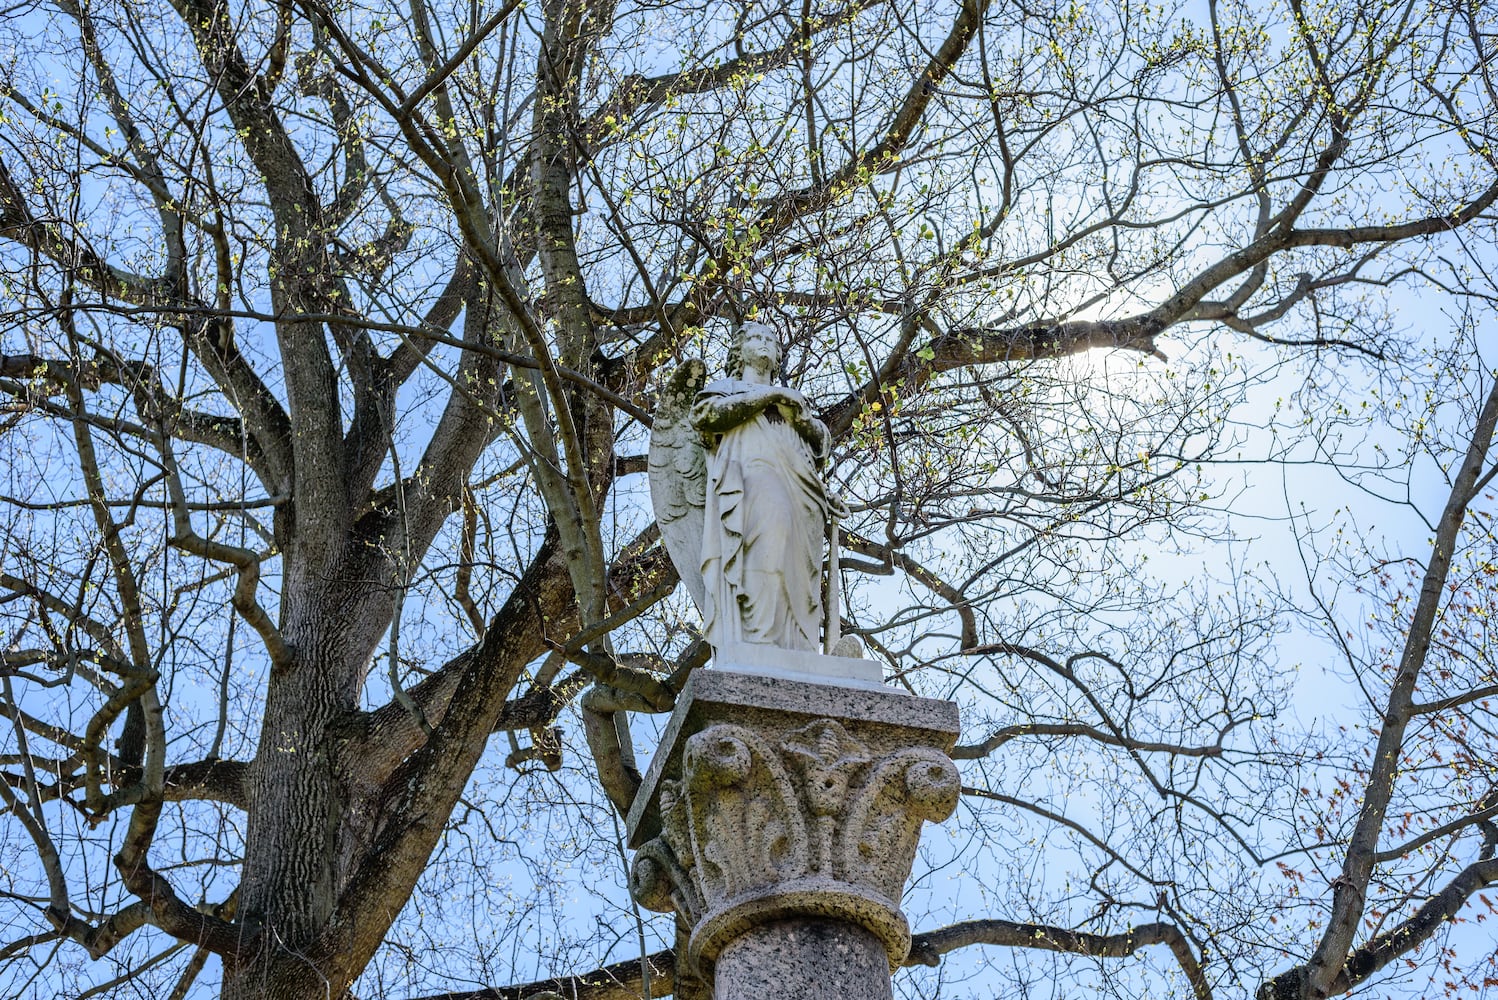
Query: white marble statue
[735,479]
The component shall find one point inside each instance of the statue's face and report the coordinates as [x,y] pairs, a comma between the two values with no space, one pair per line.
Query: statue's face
[760,350]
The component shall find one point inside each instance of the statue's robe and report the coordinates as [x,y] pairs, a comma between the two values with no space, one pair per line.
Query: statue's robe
[764,530]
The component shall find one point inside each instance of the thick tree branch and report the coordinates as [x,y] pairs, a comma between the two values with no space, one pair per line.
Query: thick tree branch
[977,751]
[1349,889]
[302,282]
[620,981]
[1363,962]
[927,948]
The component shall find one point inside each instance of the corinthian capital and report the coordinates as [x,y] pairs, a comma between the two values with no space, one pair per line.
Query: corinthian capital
[778,815]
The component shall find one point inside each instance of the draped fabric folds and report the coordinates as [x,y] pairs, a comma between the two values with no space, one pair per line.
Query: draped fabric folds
[763,532]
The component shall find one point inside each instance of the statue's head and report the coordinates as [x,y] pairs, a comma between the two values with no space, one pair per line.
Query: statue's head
[759,339]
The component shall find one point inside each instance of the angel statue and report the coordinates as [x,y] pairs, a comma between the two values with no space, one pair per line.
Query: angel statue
[735,479]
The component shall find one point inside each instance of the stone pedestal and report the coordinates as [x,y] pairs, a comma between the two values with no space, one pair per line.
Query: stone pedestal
[780,819]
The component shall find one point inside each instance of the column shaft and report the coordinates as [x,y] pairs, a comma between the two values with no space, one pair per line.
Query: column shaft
[802,958]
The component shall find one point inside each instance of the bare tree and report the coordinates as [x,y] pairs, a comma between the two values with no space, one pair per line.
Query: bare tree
[331,333]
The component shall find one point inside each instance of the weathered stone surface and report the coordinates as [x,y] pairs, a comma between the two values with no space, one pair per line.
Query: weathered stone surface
[804,959]
[884,719]
[772,800]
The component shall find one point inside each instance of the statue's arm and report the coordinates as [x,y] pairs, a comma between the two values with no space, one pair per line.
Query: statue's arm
[812,431]
[797,411]
[718,413]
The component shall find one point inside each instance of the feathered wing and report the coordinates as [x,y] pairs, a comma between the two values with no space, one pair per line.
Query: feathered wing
[678,474]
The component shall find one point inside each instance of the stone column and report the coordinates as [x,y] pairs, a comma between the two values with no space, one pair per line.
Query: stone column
[780,819]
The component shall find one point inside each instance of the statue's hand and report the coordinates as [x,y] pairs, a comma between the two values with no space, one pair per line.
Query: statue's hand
[792,402]
[761,397]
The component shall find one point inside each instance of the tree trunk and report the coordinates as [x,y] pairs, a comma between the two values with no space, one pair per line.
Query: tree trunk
[304,828]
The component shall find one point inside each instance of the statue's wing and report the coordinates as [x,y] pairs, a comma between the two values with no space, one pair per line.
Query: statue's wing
[678,474]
